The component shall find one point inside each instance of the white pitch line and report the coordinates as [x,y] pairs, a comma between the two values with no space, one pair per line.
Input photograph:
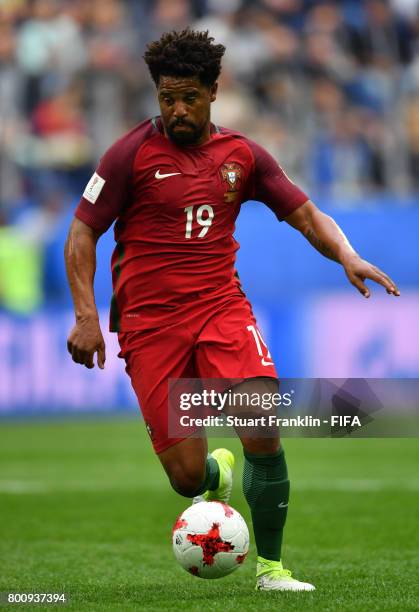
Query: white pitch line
[354,485]
[22,487]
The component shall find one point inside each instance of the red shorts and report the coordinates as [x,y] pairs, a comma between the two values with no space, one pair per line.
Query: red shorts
[209,340]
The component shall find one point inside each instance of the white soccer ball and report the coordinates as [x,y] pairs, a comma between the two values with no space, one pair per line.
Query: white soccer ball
[210,539]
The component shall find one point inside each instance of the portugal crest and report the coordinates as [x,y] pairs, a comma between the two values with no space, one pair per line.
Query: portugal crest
[231,174]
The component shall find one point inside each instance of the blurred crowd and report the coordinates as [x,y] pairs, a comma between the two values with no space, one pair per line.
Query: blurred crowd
[330,88]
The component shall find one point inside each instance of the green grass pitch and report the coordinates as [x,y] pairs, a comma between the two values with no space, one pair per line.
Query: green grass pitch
[85,508]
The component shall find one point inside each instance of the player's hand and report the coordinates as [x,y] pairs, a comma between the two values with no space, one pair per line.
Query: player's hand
[357,270]
[85,340]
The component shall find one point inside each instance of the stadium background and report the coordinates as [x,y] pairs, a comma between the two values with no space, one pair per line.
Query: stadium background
[330,88]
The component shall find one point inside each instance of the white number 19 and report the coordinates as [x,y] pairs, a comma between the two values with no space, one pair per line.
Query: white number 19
[205,223]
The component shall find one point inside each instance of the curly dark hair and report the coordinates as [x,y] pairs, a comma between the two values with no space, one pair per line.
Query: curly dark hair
[183,54]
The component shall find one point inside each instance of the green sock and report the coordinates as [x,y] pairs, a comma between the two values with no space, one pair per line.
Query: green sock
[212,476]
[266,488]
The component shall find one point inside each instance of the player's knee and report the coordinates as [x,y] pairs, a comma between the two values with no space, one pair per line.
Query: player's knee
[186,480]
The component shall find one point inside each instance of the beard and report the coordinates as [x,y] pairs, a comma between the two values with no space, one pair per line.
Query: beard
[189,136]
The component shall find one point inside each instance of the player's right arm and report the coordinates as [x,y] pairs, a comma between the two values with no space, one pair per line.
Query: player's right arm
[86,337]
[100,205]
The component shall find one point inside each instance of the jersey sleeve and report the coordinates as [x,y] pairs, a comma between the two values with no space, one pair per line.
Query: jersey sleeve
[272,186]
[107,191]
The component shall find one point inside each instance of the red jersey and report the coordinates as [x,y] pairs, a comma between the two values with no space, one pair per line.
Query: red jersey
[175,209]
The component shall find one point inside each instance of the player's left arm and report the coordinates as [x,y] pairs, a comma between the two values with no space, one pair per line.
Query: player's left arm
[327,237]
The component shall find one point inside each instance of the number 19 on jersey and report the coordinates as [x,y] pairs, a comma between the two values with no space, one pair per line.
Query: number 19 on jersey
[204,217]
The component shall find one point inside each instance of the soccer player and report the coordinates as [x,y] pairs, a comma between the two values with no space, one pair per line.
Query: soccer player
[174,184]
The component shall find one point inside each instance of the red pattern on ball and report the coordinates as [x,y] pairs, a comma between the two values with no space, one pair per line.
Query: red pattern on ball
[227,510]
[180,522]
[211,543]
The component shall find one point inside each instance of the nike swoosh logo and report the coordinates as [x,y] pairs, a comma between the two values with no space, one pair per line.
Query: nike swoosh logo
[162,176]
[282,505]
